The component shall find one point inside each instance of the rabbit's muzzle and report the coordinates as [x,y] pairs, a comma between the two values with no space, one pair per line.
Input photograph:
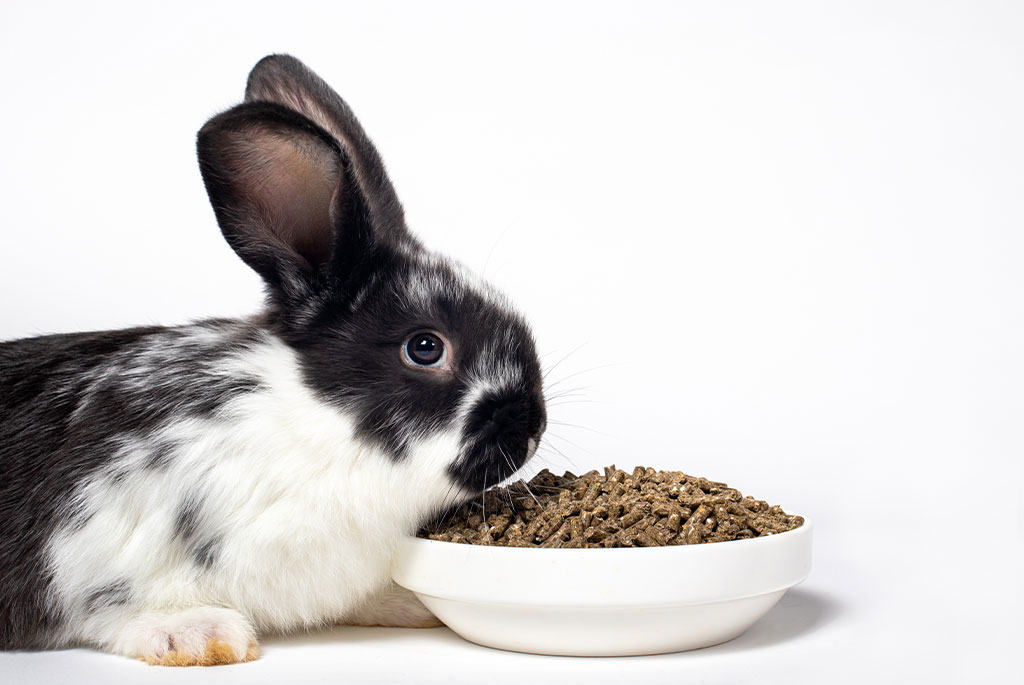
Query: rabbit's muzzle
[501,433]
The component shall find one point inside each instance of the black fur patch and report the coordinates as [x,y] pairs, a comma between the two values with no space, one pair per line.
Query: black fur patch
[106,596]
[186,523]
[160,455]
[205,554]
[200,544]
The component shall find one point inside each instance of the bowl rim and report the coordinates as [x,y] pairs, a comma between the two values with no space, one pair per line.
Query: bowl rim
[804,529]
[714,572]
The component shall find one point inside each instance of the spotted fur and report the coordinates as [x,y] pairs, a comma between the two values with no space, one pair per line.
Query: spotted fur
[169,493]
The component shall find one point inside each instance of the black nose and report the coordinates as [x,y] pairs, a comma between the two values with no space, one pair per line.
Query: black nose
[508,414]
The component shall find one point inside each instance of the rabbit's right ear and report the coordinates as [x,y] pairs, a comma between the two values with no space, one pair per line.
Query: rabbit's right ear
[286,81]
[285,196]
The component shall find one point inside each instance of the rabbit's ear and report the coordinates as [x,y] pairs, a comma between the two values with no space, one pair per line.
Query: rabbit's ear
[284,194]
[284,80]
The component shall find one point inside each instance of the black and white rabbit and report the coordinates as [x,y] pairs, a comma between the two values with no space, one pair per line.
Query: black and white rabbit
[170,493]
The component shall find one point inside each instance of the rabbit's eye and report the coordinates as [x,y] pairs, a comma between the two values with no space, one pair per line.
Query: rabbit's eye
[425,349]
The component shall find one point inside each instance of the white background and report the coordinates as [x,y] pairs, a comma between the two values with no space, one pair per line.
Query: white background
[788,237]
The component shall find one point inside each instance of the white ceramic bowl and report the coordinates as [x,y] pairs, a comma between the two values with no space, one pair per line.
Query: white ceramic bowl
[604,602]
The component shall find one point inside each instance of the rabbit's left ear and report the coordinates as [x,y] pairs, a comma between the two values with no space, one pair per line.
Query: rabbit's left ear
[284,80]
[285,197]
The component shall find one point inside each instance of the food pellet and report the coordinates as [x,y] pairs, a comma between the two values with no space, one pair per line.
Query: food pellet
[613,508]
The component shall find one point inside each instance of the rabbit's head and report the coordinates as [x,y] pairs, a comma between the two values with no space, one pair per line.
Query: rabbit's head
[406,341]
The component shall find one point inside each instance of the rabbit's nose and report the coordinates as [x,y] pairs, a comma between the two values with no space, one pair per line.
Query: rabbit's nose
[508,414]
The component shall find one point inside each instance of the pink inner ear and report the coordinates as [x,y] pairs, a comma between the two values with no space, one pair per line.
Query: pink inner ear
[290,183]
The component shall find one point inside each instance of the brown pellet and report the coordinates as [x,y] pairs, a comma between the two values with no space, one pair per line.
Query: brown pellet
[613,508]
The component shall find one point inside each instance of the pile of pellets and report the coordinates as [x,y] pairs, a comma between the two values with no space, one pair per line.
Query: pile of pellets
[645,508]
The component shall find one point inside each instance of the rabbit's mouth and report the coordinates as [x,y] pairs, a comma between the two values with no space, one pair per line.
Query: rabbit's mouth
[502,431]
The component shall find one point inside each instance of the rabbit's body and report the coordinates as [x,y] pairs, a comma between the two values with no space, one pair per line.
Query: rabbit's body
[168,492]
[239,488]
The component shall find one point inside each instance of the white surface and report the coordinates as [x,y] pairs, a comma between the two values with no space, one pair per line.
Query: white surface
[604,602]
[800,622]
[792,228]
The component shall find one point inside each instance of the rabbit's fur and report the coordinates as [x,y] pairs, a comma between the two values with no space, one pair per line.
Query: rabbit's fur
[169,493]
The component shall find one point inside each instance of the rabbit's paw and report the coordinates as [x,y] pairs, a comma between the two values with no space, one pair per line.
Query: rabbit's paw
[202,636]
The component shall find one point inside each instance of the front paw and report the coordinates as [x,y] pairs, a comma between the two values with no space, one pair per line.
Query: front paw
[201,636]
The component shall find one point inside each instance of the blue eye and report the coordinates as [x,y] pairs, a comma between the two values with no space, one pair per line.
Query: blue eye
[425,349]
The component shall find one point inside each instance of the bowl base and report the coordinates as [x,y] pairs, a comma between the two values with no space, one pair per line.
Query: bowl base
[604,631]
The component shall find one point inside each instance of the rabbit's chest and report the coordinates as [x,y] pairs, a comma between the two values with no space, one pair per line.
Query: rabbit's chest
[295,531]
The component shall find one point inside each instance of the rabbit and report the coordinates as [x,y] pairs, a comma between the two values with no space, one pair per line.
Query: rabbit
[171,493]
